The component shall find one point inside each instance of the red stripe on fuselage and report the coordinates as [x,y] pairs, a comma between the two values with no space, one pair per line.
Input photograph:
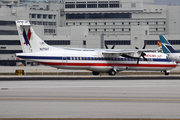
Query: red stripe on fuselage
[108,64]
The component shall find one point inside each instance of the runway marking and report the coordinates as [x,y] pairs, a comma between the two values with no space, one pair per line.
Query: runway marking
[70,99]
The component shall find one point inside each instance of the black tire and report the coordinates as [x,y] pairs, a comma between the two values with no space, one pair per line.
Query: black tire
[95,73]
[112,72]
[166,73]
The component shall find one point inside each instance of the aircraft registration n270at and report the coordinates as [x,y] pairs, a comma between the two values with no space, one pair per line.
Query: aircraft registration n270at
[96,60]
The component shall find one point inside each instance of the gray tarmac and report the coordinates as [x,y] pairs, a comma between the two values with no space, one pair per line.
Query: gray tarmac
[88,96]
[9,71]
[90,99]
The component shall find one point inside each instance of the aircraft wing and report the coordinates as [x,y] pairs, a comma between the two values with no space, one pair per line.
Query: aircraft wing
[126,51]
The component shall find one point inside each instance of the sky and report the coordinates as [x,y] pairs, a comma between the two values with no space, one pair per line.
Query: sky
[166,2]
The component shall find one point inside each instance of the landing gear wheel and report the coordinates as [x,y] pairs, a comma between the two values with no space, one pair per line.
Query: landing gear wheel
[166,73]
[112,72]
[95,73]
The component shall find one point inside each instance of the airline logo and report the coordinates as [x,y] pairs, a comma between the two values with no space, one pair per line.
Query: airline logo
[153,56]
[159,46]
[27,37]
[159,43]
[168,49]
[166,46]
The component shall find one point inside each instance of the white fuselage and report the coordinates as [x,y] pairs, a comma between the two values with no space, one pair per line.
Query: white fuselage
[94,60]
[174,56]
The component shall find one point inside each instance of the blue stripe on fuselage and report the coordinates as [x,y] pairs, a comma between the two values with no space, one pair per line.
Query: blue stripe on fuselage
[41,57]
[68,58]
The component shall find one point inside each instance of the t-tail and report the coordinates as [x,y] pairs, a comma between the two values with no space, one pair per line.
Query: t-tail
[30,42]
[166,46]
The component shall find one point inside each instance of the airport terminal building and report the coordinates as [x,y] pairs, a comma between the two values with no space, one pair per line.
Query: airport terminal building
[89,24]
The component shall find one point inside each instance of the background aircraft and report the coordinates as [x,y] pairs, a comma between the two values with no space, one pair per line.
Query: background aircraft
[169,50]
[95,60]
[159,46]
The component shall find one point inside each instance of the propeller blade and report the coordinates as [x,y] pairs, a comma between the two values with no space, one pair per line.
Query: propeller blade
[145,58]
[138,61]
[144,45]
[113,46]
[143,54]
[106,46]
[136,48]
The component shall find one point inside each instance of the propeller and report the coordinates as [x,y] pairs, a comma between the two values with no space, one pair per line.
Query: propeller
[144,45]
[106,46]
[112,46]
[142,54]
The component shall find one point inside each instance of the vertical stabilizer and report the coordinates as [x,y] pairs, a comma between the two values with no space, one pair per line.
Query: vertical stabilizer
[30,42]
[166,46]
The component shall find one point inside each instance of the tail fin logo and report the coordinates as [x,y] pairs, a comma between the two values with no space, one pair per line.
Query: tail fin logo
[159,43]
[27,37]
[159,46]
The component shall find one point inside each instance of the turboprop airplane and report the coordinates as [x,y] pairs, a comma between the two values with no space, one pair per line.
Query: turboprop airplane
[169,50]
[96,60]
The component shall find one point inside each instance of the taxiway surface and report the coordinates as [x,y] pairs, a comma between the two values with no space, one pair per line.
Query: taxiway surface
[90,99]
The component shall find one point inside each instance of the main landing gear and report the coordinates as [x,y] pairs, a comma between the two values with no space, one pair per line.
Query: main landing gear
[112,72]
[166,72]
